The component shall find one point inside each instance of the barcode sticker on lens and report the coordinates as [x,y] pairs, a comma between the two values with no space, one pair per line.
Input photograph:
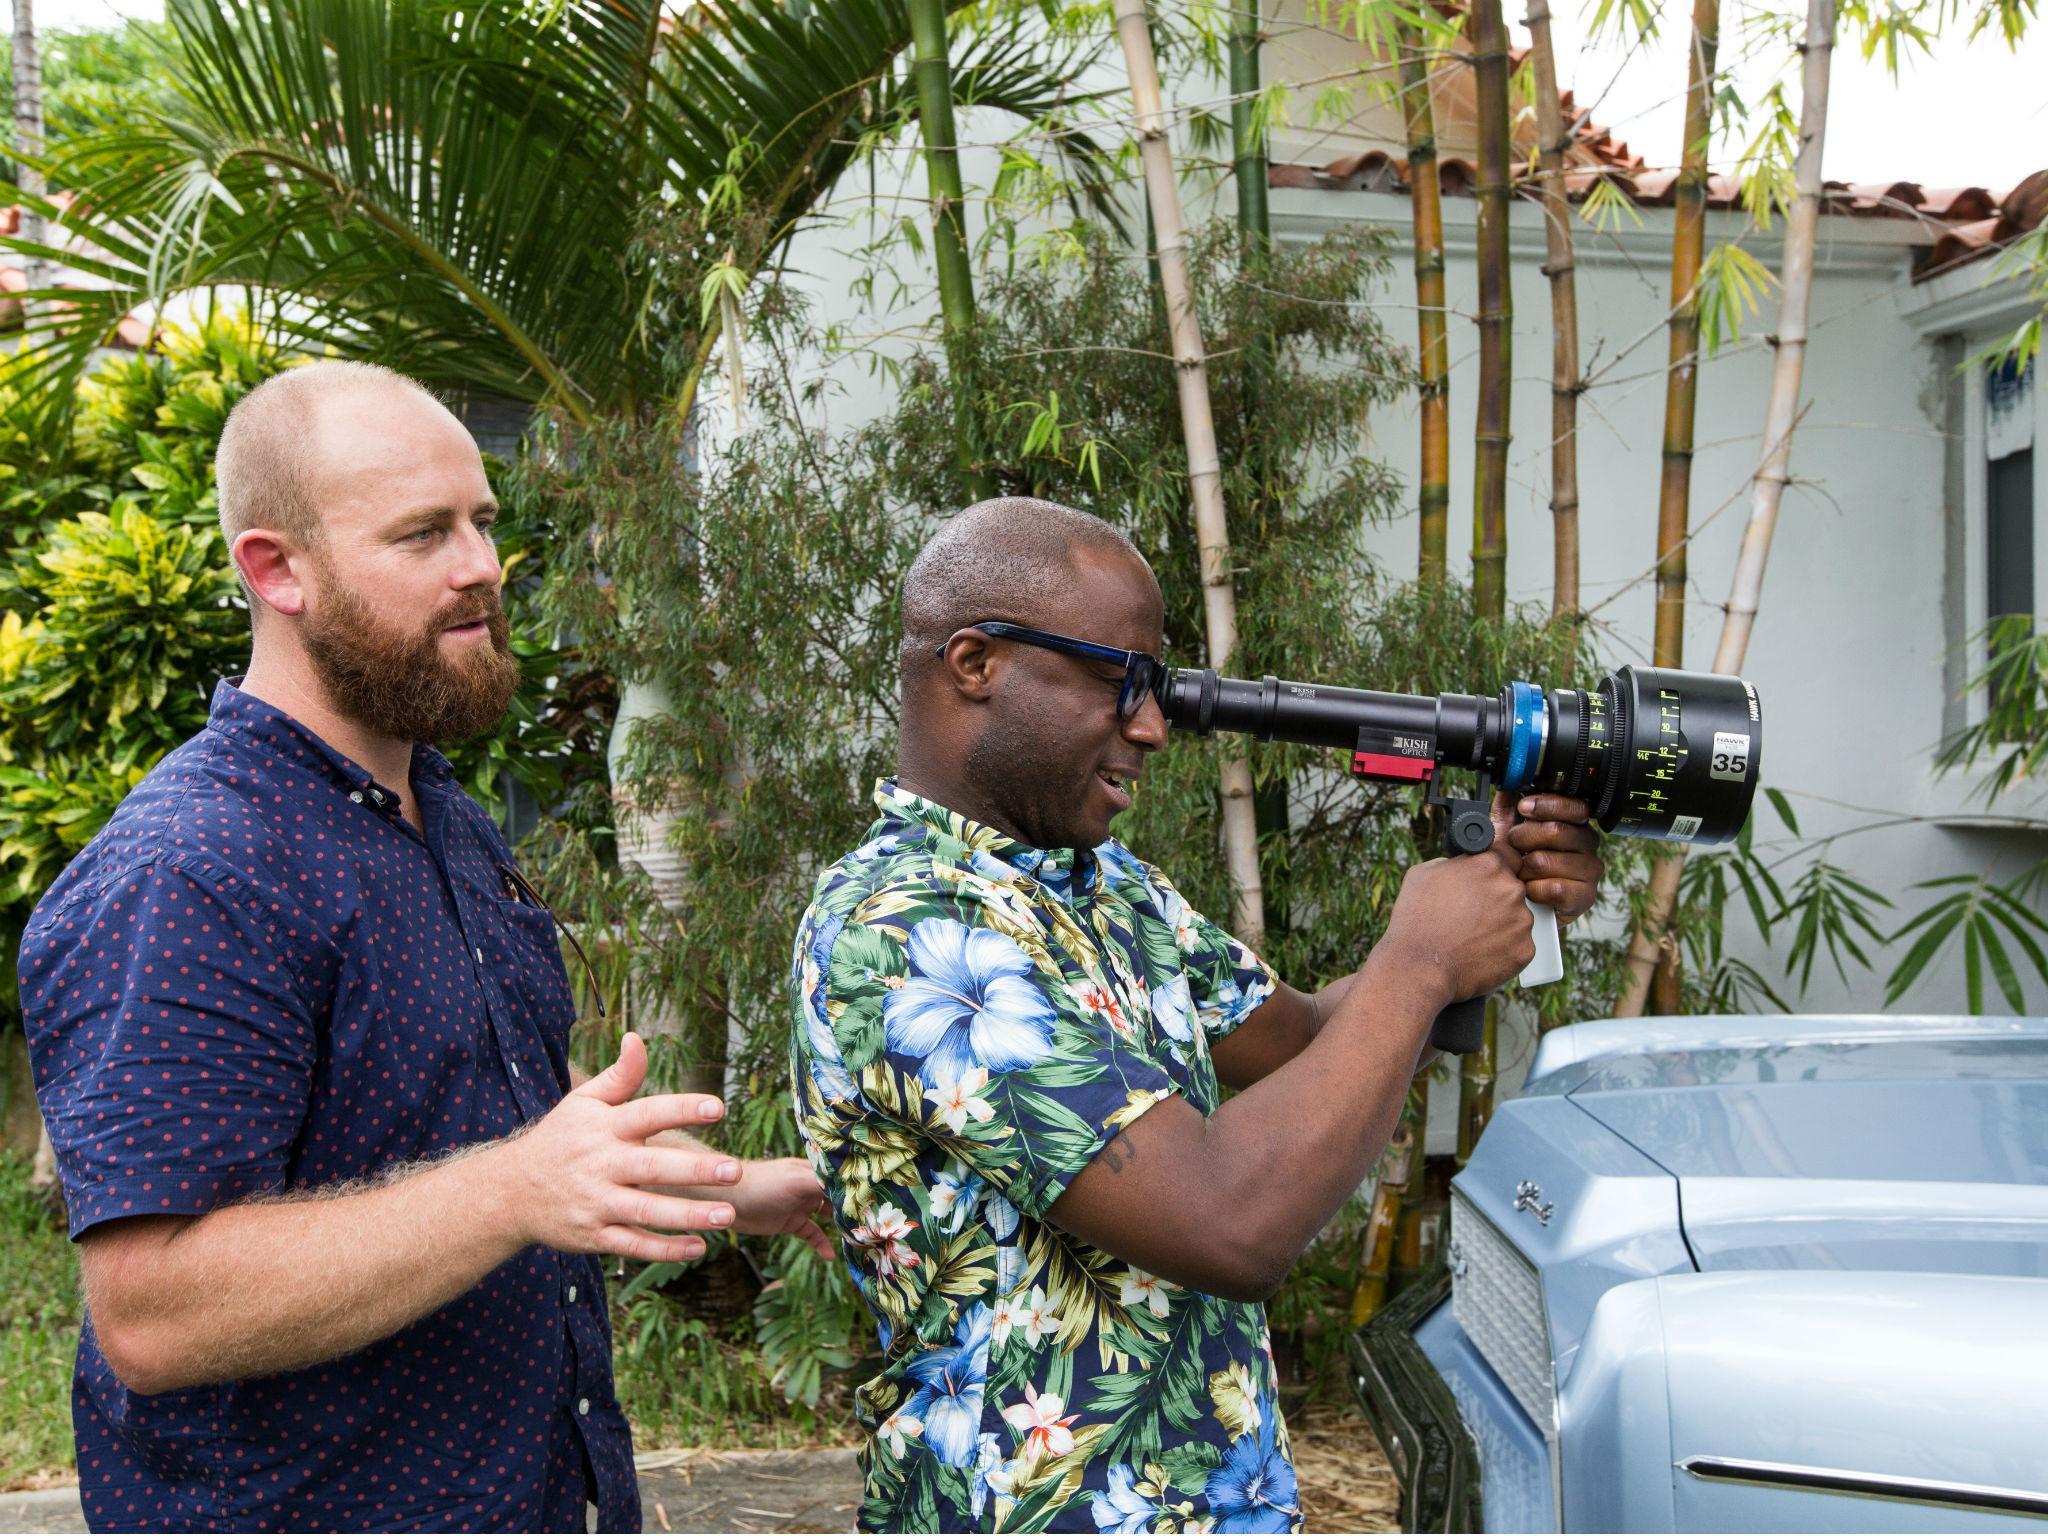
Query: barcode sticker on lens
[1731,756]
[1685,828]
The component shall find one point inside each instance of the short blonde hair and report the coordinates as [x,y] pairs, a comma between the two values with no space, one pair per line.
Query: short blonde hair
[261,469]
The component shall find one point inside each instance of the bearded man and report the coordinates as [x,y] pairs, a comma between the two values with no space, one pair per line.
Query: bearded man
[300,1033]
[1008,1038]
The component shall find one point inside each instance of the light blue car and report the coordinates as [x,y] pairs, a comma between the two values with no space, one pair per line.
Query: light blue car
[1738,1274]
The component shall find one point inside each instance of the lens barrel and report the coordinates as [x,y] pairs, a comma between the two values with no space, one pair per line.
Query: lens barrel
[1657,753]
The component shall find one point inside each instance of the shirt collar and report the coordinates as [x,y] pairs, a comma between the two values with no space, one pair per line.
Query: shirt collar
[248,719]
[1071,874]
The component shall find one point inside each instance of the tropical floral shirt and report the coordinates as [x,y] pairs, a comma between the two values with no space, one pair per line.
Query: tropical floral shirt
[974,1021]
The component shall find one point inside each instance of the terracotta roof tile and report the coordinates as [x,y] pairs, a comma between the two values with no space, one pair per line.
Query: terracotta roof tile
[1958,203]
[1968,221]
[1962,222]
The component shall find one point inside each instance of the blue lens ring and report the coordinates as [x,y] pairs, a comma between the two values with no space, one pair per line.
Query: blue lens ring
[1528,733]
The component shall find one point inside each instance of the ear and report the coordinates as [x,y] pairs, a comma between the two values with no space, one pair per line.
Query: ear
[272,568]
[970,665]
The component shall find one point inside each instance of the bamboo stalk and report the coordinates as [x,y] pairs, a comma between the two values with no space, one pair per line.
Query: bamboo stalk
[1406,1152]
[1490,443]
[1270,802]
[1681,385]
[1475,1084]
[1767,490]
[1248,144]
[1198,426]
[1681,398]
[933,72]
[1426,196]
[1788,365]
[1553,139]
[1402,1162]
[1496,315]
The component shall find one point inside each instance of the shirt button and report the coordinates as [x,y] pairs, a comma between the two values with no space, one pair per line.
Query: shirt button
[583,1406]
[515,1068]
[356,795]
[572,1293]
[479,957]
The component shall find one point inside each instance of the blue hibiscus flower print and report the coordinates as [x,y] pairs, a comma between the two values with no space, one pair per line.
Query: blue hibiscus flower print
[949,1392]
[970,1000]
[1254,1489]
[1173,1009]
[813,963]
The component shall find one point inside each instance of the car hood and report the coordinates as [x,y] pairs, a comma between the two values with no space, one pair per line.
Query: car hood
[1857,1144]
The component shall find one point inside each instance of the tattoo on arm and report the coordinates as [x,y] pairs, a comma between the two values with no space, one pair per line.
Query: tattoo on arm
[1119,1153]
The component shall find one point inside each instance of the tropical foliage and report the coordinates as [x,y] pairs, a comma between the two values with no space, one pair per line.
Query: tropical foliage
[454,189]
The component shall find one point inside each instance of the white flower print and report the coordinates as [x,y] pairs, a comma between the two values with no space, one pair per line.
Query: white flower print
[960,1099]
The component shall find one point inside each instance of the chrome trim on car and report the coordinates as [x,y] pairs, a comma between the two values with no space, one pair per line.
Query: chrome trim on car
[1876,1485]
[1414,1416]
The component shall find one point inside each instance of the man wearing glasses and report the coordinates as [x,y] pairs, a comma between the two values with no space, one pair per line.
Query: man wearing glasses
[1008,1041]
[300,1033]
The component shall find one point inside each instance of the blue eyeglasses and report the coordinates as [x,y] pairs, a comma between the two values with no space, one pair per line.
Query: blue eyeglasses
[1144,674]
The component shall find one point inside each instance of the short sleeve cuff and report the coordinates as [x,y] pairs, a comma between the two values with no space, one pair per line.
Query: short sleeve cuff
[169,1193]
[1051,1161]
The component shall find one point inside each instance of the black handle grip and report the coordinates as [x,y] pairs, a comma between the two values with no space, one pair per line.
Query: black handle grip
[1461,1028]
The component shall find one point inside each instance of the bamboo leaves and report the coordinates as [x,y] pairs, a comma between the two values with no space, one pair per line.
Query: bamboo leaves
[1732,286]
[1987,915]
[2014,729]
[1830,907]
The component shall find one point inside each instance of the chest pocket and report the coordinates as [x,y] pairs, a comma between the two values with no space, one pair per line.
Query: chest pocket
[526,964]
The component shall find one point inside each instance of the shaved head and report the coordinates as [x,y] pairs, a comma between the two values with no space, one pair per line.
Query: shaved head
[265,468]
[1024,739]
[1010,558]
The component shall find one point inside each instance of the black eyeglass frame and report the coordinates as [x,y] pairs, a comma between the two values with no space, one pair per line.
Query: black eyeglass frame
[1144,673]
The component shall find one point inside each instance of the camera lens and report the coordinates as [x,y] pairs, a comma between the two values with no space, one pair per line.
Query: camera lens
[1655,752]
[1658,753]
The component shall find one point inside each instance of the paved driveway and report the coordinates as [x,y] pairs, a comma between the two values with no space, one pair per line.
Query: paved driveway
[679,1491]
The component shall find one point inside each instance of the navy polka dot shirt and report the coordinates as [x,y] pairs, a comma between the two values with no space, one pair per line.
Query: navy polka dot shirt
[260,978]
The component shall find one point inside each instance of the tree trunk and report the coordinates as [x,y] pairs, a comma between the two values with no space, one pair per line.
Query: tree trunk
[1767,490]
[1205,487]
[1553,138]
[934,75]
[1496,315]
[643,840]
[1426,196]
[28,146]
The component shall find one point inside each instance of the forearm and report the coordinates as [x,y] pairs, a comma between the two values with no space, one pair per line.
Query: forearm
[1291,1149]
[1281,1157]
[1281,1028]
[277,1285]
